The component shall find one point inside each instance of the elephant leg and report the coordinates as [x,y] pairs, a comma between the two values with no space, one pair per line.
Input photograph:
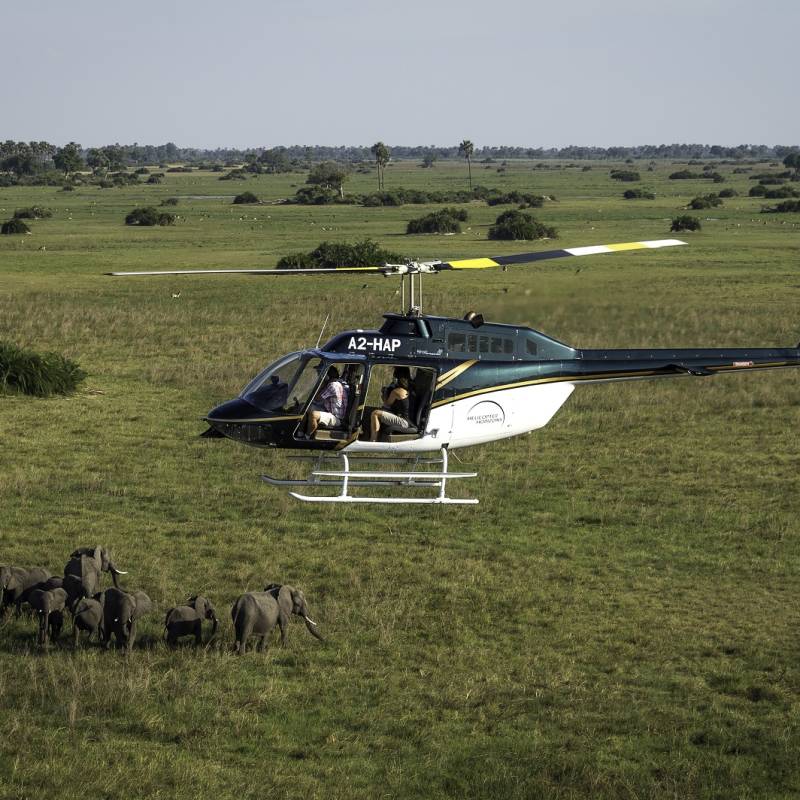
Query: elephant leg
[75,635]
[198,633]
[131,636]
[283,623]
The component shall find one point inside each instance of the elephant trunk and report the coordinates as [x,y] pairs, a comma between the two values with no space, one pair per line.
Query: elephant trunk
[312,628]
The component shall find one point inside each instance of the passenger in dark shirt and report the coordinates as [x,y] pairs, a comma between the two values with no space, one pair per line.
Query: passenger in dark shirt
[396,405]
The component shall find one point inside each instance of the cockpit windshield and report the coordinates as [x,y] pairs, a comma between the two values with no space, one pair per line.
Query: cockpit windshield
[285,386]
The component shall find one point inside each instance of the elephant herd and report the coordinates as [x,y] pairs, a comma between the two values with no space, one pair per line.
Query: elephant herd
[116,612]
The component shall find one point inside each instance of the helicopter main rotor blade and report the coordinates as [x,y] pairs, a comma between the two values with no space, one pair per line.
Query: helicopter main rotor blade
[282,272]
[544,255]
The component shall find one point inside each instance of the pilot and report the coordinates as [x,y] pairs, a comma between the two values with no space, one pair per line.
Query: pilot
[396,411]
[329,409]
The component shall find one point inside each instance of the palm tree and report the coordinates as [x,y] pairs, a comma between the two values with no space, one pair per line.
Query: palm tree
[466,149]
[381,153]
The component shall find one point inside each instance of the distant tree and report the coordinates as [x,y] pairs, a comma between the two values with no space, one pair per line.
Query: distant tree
[329,175]
[381,153]
[365,253]
[792,161]
[274,161]
[68,158]
[429,159]
[465,150]
[96,159]
[115,156]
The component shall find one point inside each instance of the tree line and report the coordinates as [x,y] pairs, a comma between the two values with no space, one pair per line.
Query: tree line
[29,158]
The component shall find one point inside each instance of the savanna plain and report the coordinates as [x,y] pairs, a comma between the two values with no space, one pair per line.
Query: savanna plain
[617,618]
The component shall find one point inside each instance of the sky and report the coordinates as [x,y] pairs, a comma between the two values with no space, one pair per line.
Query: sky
[261,73]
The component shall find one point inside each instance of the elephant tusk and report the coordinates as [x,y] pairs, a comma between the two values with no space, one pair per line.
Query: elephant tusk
[121,572]
[308,619]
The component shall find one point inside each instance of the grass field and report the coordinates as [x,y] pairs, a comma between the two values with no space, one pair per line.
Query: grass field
[617,618]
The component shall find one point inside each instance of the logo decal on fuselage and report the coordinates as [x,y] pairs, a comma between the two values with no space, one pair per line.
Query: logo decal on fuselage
[376,344]
[486,413]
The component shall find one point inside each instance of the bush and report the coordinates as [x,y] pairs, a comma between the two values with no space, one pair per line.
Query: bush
[685,223]
[170,201]
[245,198]
[729,193]
[365,253]
[625,175]
[26,372]
[149,216]
[705,201]
[638,194]
[180,169]
[685,175]
[781,192]
[759,190]
[786,207]
[142,171]
[67,187]
[445,221]
[234,175]
[518,225]
[14,226]
[524,199]
[34,212]
[154,179]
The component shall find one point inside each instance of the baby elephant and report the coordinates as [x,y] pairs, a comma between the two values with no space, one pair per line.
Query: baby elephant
[49,606]
[87,616]
[188,620]
[257,614]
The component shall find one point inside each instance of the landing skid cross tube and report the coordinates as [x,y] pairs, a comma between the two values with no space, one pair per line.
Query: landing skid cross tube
[412,478]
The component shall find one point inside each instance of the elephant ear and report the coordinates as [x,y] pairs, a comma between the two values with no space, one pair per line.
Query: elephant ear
[286,599]
[97,555]
[201,606]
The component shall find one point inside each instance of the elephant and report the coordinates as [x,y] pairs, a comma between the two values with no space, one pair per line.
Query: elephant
[49,605]
[121,611]
[188,620]
[87,616]
[16,583]
[257,614]
[82,572]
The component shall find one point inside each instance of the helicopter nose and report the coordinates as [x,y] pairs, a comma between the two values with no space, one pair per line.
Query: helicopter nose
[237,410]
[239,420]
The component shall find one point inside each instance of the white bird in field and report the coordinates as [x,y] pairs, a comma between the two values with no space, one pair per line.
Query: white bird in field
[175,295]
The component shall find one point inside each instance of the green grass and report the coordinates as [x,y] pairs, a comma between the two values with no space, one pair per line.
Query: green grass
[617,618]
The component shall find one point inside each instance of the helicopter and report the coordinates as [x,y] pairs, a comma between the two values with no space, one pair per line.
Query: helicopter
[473,382]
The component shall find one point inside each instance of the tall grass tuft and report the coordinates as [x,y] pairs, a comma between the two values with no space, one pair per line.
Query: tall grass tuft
[27,372]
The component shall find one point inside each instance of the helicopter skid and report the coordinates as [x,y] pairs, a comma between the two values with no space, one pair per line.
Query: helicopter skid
[346,478]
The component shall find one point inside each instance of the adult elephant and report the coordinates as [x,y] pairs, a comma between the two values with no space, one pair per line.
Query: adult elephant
[188,620]
[17,582]
[49,605]
[257,614]
[83,572]
[121,612]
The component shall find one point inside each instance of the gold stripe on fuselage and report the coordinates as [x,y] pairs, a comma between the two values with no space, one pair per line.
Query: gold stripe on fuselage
[452,374]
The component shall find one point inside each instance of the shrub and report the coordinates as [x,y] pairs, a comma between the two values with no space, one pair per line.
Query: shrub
[365,253]
[518,225]
[786,207]
[34,212]
[234,175]
[14,226]
[638,194]
[245,198]
[685,175]
[170,201]
[525,199]
[149,216]
[759,190]
[179,169]
[445,221]
[705,201]
[154,179]
[781,192]
[67,187]
[625,175]
[685,223]
[729,193]
[142,171]
[26,372]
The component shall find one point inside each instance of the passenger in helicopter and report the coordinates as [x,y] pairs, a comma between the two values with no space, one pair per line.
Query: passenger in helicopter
[396,411]
[330,406]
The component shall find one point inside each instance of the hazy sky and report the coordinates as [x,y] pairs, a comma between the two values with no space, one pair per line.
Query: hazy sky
[245,73]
